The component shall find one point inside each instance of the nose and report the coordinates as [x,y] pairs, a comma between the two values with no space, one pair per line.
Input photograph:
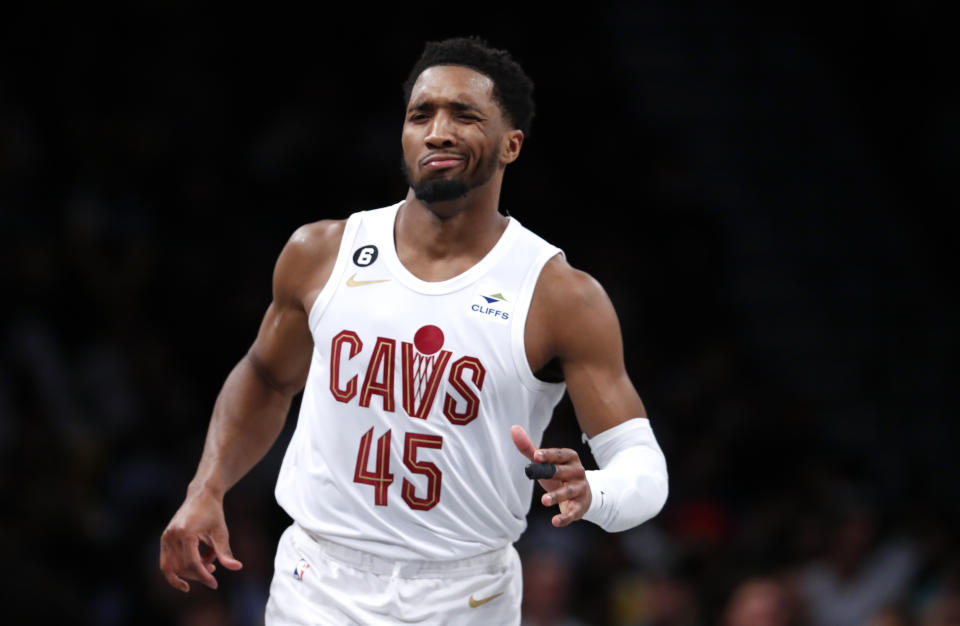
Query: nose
[440,133]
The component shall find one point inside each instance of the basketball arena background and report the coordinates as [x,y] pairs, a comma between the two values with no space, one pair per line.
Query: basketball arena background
[766,195]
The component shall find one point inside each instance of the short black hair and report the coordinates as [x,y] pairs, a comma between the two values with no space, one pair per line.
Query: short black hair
[512,88]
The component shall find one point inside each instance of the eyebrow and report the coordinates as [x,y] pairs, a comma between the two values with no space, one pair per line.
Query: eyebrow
[455,105]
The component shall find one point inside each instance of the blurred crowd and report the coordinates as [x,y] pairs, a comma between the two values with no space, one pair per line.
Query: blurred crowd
[103,424]
[785,301]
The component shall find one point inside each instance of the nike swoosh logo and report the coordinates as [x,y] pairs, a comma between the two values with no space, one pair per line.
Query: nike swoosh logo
[360,283]
[475,603]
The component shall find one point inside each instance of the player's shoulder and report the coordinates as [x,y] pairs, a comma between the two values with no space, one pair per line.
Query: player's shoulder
[569,309]
[316,237]
[560,282]
[308,257]
[312,243]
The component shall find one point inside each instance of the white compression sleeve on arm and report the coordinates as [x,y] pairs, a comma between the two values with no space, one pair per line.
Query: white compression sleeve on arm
[631,485]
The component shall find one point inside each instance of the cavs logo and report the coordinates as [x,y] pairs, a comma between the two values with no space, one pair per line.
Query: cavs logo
[423,365]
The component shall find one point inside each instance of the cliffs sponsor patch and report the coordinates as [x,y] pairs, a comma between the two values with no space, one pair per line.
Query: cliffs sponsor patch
[492,306]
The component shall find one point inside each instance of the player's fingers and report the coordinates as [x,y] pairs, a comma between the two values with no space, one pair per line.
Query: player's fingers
[209,556]
[220,546]
[176,582]
[557,456]
[197,570]
[568,491]
[175,548]
[549,484]
[571,511]
[566,518]
[570,472]
[523,442]
[187,562]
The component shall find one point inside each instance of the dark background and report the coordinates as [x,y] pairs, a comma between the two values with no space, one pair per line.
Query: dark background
[765,194]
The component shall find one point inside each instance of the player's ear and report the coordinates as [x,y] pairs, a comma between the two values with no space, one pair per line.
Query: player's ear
[510,149]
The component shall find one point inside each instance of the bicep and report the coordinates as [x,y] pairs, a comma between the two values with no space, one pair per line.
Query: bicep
[281,352]
[590,347]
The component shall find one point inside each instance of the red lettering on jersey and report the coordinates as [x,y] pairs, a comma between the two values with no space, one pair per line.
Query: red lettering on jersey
[350,338]
[456,380]
[380,478]
[412,442]
[414,372]
[379,378]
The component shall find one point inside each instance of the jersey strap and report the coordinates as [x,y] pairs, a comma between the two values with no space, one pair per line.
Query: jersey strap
[337,275]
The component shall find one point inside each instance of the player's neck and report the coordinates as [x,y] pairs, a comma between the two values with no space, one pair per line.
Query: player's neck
[440,240]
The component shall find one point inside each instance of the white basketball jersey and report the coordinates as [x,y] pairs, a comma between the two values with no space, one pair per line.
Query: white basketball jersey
[403,446]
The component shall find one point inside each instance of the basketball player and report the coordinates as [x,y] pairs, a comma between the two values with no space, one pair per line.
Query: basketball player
[432,339]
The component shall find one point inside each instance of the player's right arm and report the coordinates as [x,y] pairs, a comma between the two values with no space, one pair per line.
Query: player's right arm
[251,408]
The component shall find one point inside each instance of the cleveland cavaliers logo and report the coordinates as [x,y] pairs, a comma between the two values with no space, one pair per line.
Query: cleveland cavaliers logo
[425,361]
[423,365]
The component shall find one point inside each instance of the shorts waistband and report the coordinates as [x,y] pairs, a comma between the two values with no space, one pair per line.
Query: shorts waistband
[488,561]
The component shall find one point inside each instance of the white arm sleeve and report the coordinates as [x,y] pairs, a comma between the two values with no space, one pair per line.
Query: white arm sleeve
[631,485]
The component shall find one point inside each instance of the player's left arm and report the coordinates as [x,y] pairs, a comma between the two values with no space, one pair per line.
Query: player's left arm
[572,320]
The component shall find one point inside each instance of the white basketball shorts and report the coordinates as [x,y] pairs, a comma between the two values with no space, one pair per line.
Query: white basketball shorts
[319,583]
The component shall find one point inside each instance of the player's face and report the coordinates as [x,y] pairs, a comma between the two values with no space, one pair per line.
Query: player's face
[455,136]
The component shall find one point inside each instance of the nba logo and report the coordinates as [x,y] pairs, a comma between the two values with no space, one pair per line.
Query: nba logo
[300,569]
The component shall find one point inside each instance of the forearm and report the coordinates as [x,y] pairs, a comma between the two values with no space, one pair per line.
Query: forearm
[631,485]
[247,419]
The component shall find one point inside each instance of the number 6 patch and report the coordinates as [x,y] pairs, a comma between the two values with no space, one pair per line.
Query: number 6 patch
[365,256]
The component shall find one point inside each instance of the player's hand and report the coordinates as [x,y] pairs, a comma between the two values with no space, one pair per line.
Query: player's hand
[199,519]
[568,487]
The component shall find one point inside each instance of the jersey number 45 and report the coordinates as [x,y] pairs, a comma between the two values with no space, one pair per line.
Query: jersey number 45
[381,478]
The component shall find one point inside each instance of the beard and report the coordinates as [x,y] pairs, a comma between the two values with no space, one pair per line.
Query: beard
[439,190]
[443,189]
